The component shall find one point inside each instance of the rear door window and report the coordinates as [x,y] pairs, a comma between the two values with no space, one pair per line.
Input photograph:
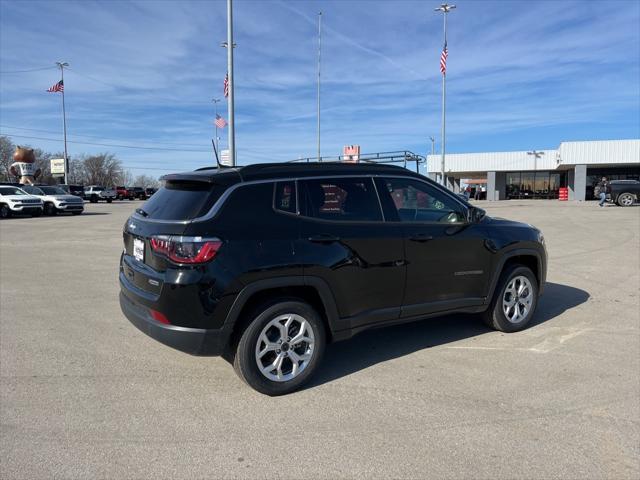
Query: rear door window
[341,199]
[182,200]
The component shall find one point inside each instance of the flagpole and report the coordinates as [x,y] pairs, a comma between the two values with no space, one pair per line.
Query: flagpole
[445,9]
[64,123]
[319,66]
[230,46]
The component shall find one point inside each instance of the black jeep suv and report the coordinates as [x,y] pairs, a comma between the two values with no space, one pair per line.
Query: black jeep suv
[265,264]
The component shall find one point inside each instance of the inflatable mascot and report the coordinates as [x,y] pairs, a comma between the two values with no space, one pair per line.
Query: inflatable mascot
[24,166]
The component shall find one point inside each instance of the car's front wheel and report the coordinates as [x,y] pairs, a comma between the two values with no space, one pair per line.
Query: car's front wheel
[514,301]
[281,348]
[109,200]
[5,211]
[50,209]
[625,199]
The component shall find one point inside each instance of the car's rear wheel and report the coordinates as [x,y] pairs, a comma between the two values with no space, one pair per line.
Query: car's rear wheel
[5,211]
[50,209]
[514,301]
[626,199]
[109,200]
[281,348]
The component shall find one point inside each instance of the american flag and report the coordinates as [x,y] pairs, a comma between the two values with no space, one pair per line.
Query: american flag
[58,87]
[443,60]
[226,85]
[220,122]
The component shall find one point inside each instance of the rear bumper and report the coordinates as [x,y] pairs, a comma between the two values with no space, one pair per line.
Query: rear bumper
[195,341]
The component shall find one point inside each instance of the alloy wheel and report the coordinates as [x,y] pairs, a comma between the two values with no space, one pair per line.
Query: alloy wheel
[517,299]
[626,199]
[285,347]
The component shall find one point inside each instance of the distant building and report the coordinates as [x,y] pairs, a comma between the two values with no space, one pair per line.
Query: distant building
[576,165]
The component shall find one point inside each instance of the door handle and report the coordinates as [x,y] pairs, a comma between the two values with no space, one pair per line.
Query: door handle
[323,238]
[421,237]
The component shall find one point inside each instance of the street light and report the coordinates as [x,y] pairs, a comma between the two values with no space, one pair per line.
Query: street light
[445,9]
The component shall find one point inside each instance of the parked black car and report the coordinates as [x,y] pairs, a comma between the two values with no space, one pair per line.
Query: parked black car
[265,264]
[77,190]
[150,191]
[139,193]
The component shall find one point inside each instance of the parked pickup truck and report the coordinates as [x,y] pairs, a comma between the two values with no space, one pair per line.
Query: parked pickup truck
[625,192]
[95,193]
[124,192]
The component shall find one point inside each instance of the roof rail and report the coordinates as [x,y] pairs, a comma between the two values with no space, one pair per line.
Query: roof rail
[401,156]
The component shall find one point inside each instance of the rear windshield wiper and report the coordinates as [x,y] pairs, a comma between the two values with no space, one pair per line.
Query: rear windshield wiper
[142,212]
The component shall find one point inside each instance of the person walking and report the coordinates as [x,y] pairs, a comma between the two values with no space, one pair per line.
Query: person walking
[603,189]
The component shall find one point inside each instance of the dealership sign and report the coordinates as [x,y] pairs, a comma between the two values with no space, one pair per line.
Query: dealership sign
[351,153]
[57,167]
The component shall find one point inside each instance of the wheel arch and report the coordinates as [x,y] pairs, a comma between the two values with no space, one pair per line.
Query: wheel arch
[527,257]
[312,290]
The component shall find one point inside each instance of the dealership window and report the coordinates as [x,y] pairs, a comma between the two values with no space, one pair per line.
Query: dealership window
[534,184]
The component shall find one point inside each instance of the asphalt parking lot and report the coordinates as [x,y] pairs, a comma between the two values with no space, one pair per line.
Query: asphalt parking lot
[86,395]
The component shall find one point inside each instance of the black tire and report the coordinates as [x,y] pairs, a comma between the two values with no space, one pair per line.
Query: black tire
[37,213]
[50,209]
[109,200]
[495,316]
[5,211]
[245,360]
[75,212]
[626,199]
[131,198]
[93,199]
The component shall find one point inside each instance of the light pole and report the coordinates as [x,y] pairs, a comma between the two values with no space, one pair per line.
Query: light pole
[215,121]
[445,9]
[64,123]
[319,65]
[230,46]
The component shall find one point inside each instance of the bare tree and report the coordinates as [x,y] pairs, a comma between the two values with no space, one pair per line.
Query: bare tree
[146,181]
[127,178]
[6,157]
[102,169]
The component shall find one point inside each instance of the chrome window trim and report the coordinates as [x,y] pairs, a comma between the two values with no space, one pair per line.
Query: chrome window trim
[215,208]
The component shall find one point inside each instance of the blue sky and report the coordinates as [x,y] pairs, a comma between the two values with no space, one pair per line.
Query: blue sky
[521,75]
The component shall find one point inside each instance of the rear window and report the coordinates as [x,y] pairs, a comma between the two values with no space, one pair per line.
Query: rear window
[182,200]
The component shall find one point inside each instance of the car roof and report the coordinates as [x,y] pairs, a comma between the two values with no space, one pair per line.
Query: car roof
[270,171]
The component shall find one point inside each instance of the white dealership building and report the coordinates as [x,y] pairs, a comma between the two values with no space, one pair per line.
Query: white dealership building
[541,173]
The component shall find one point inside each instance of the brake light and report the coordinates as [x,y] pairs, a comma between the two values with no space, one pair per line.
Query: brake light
[189,250]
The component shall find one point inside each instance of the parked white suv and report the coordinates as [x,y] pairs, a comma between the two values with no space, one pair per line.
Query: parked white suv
[15,201]
[56,200]
[95,193]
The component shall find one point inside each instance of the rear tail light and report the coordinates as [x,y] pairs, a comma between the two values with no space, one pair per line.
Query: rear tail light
[189,250]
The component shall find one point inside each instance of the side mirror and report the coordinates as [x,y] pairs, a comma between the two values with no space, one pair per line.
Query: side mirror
[476,214]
